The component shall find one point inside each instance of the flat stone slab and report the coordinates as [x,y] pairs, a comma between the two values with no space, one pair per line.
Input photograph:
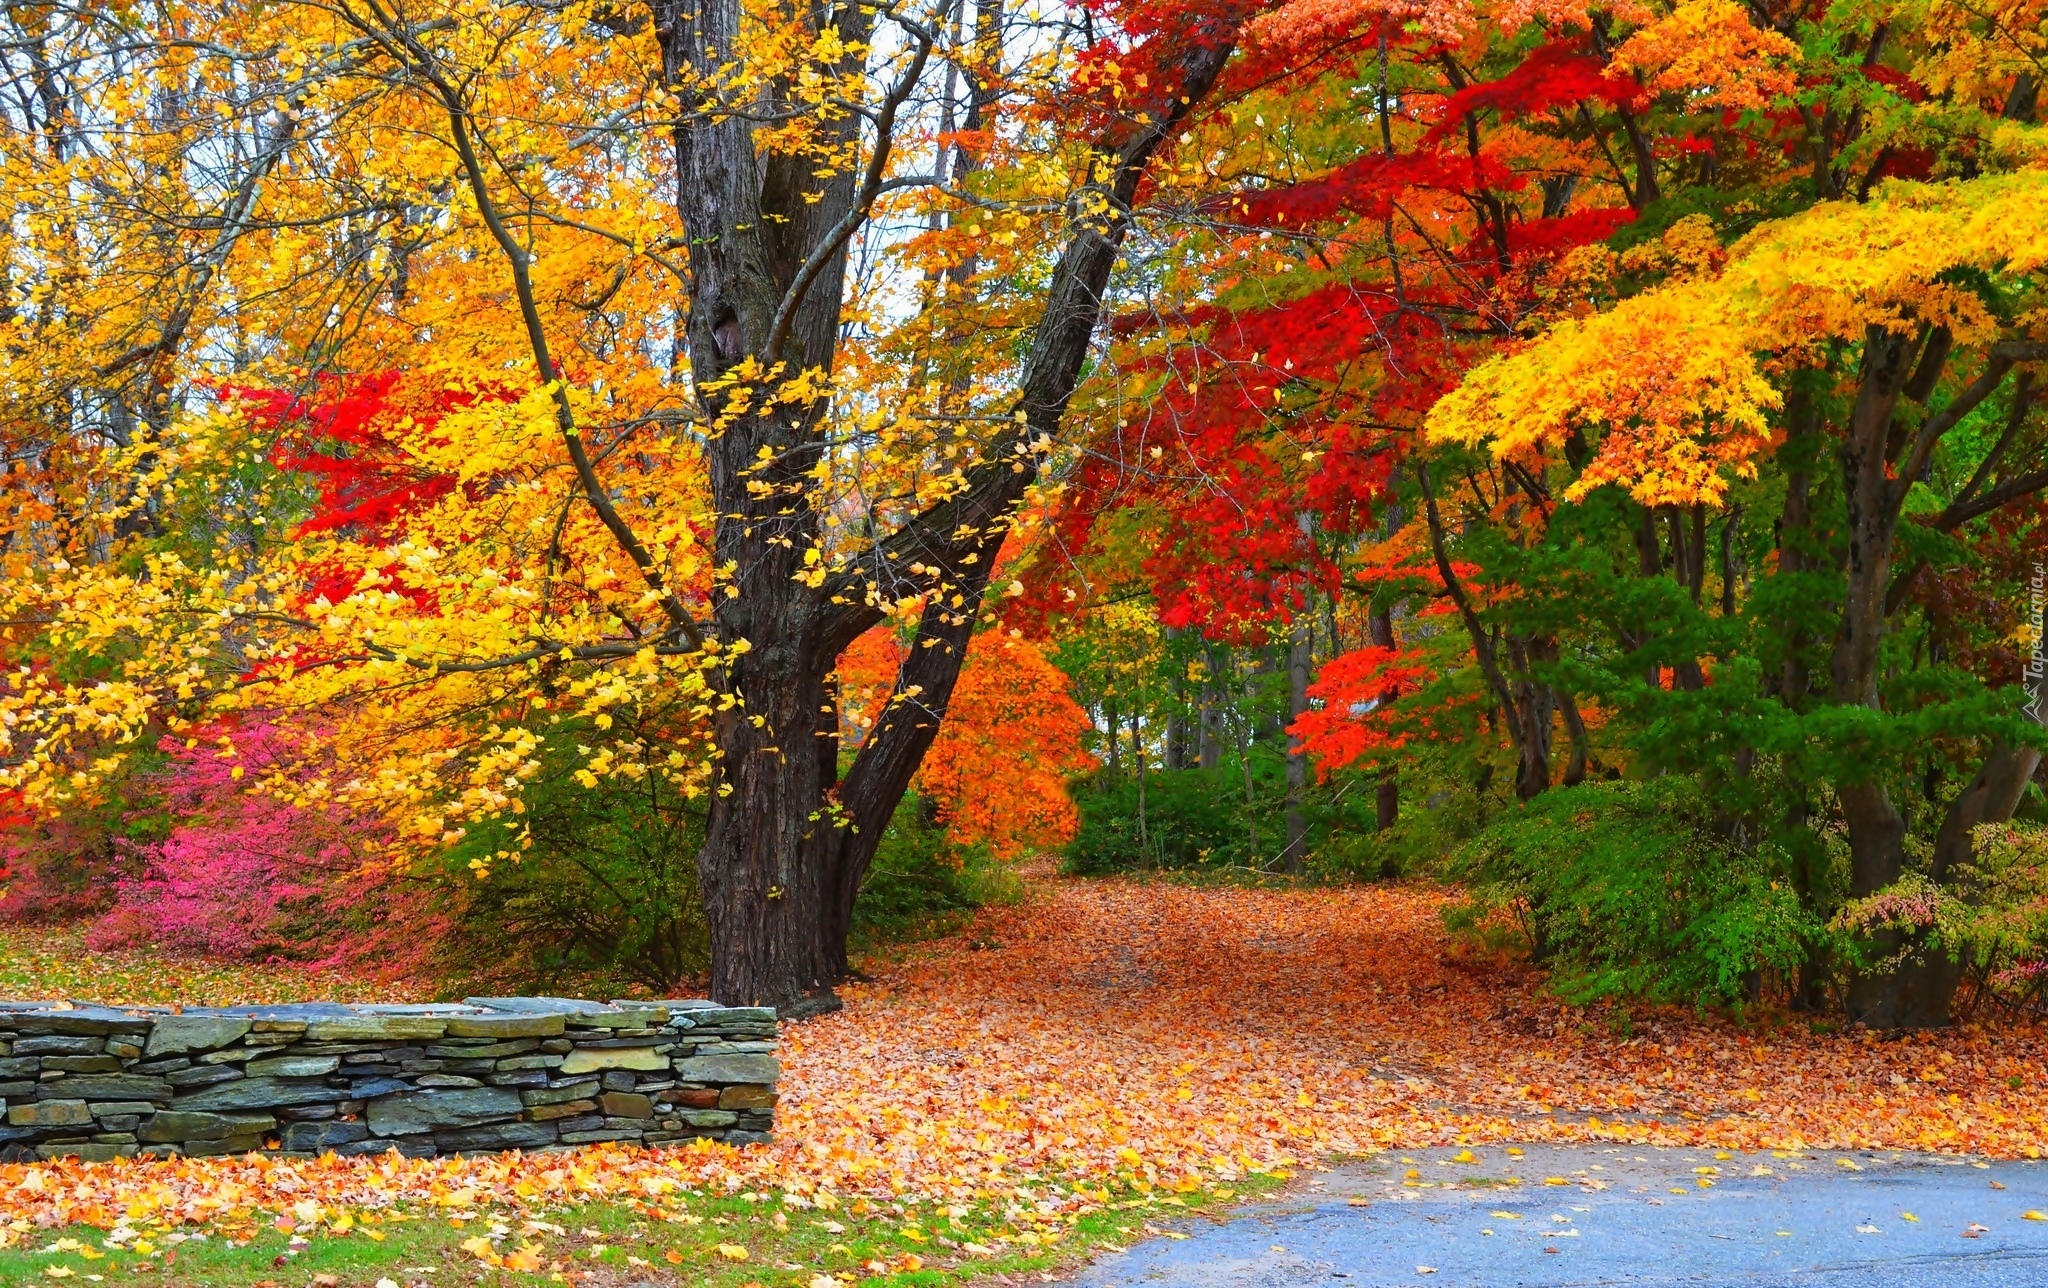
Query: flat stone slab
[419,1111]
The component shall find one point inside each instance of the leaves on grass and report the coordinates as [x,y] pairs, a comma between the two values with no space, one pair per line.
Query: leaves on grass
[1046,1073]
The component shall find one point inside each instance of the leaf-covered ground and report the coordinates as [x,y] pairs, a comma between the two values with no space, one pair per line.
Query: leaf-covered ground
[39,963]
[1122,1042]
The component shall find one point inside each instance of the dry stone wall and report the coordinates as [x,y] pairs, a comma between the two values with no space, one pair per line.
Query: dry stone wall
[493,1073]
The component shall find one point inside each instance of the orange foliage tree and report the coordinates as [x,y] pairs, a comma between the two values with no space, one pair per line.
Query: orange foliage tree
[1013,735]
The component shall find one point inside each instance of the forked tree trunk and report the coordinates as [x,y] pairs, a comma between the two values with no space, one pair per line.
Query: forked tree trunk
[787,849]
[1879,463]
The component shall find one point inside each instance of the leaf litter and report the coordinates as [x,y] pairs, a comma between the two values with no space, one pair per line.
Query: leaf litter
[1107,1038]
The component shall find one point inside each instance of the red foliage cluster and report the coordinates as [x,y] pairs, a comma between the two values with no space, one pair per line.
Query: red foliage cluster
[1357,721]
[343,439]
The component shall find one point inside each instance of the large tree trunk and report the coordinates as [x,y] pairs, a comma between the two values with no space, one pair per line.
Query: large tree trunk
[787,849]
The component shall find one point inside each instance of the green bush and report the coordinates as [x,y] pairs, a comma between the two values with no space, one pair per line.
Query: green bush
[603,895]
[1193,818]
[919,885]
[1624,890]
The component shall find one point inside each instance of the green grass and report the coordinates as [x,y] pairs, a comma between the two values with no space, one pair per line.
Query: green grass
[49,962]
[612,1245]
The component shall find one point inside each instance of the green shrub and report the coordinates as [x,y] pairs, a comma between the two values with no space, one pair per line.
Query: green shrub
[1193,818]
[1623,889]
[603,896]
[919,886]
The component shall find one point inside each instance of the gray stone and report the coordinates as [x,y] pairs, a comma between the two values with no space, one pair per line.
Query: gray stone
[371,1088]
[531,1062]
[704,1017]
[59,1046]
[179,1034]
[595,1137]
[708,1117]
[81,1020]
[586,1089]
[619,1080]
[369,1028]
[419,1111]
[625,1104]
[492,1050]
[494,1137]
[106,1086]
[50,1113]
[520,1078]
[446,1080]
[729,1068]
[123,1050]
[100,1109]
[87,1152]
[260,1093]
[360,1147]
[295,1066]
[119,1122]
[80,1064]
[316,1138]
[541,1005]
[24,1067]
[227,1145]
[182,1078]
[182,1125]
[583,1060]
[543,1025]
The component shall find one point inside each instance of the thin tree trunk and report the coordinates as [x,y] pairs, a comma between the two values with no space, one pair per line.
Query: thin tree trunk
[1299,644]
[1387,805]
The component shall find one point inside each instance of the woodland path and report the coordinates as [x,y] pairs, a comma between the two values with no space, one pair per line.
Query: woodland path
[1633,1216]
[1158,1031]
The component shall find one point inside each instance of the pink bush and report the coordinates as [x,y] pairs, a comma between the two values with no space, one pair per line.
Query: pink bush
[245,875]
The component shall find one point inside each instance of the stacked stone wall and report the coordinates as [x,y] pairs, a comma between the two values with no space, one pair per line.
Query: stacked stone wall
[486,1075]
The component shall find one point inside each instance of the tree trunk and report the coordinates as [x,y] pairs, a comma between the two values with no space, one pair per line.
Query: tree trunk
[786,850]
[1298,663]
[1215,694]
[1387,805]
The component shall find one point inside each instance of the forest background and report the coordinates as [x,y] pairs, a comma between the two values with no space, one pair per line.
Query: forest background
[576,496]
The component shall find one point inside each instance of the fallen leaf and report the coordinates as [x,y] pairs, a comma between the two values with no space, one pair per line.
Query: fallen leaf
[733,1252]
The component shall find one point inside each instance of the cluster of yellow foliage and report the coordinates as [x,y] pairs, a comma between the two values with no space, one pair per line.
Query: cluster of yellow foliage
[1674,388]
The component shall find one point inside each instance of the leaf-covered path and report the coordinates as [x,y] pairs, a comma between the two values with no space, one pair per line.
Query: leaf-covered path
[1105,1035]
[1166,1031]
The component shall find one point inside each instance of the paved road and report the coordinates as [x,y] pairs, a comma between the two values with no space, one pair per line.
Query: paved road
[1623,1216]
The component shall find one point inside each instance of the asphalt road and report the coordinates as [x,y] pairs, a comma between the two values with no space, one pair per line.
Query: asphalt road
[1558,1215]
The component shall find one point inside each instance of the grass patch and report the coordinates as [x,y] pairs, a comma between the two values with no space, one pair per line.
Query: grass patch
[680,1238]
[39,963]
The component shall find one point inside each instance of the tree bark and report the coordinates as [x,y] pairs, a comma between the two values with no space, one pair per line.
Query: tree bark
[786,849]
[1298,663]
[1387,802]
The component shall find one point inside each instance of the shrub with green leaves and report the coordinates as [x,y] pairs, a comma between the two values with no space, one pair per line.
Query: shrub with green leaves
[1624,890]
